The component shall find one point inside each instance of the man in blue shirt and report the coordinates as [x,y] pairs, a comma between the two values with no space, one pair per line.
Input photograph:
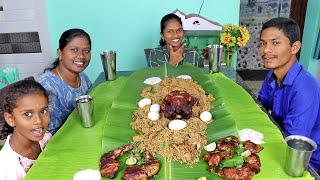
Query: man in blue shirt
[288,91]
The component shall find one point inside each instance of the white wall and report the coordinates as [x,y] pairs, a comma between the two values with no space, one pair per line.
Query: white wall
[25,16]
[127,26]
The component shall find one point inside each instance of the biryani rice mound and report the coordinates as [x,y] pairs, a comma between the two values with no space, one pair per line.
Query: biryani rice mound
[154,136]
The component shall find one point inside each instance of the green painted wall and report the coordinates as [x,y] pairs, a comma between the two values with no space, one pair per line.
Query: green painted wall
[310,34]
[126,26]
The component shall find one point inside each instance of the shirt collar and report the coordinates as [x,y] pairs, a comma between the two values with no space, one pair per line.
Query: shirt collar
[290,76]
[163,48]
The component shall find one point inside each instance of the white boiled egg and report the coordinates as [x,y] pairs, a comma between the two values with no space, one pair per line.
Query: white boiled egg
[205,116]
[152,80]
[155,107]
[153,116]
[177,124]
[184,77]
[143,102]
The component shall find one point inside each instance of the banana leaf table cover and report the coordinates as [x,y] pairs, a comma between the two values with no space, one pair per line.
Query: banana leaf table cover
[74,148]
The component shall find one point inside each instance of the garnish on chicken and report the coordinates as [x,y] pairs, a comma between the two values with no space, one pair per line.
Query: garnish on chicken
[143,171]
[109,163]
[178,105]
[215,158]
[229,143]
[253,162]
[227,148]
[252,147]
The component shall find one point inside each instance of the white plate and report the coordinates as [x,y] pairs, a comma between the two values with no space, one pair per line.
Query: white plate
[87,174]
[251,135]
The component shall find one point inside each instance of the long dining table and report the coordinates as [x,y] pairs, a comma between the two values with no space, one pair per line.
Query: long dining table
[74,148]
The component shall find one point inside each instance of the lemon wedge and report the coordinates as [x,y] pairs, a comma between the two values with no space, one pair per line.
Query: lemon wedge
[210,147]
[131,161]
[246,153]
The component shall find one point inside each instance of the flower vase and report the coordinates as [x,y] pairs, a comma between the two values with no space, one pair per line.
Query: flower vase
[228,58]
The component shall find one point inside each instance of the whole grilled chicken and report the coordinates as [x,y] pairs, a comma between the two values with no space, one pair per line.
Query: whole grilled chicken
[178,105]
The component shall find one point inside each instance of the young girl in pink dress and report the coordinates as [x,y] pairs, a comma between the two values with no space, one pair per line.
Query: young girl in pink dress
[24,108]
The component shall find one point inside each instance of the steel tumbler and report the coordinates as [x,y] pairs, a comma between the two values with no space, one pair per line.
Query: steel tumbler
[108,59]
[215,53]
[298,154]
[85,110]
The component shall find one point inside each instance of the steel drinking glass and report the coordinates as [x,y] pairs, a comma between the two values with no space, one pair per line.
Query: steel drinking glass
[85,110]
[108,59]
[298,154]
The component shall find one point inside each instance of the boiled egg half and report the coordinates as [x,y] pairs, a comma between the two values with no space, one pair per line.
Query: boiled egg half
[177,124]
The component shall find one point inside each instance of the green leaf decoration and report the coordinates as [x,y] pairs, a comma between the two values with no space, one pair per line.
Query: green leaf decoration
[233,162]
[74,148]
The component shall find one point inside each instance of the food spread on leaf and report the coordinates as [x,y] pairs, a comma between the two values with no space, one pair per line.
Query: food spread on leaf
[171,121]
[233,159]
[109,164]
[179,133]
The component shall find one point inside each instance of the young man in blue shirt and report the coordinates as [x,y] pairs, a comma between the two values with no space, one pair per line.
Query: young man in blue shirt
[288,91]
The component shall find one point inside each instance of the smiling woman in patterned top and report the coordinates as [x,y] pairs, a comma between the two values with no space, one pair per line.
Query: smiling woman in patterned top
[171,49]
[65,80]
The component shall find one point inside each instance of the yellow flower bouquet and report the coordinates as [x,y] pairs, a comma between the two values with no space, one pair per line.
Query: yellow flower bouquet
[232,37]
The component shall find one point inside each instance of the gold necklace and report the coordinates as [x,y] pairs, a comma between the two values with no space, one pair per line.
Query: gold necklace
[78,81]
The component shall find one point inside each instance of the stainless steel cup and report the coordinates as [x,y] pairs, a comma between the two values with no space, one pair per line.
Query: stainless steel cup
[215,52]
[298,154]
[85,110]
[108,59]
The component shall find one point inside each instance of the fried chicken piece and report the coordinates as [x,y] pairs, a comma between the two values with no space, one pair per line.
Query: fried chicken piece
[144,171]
[252,147]
[229,143]
[253,162]
[109,163]
[134,173]
[178,105]
[243,173]
[152,166]
[215,158]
